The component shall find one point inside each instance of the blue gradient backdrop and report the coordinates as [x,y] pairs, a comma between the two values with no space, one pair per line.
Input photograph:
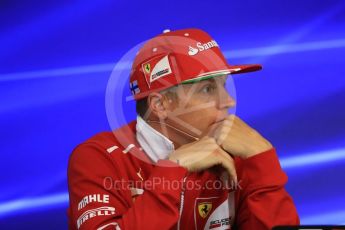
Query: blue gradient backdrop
[56,58]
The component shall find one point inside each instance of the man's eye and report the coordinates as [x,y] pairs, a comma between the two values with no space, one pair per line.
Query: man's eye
[207,89]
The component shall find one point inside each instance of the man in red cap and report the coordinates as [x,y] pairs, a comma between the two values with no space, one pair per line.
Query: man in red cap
[185,163]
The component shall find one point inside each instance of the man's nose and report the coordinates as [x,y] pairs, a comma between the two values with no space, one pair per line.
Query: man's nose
[225,100]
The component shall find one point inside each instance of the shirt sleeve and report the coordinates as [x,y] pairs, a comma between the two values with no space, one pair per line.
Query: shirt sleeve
[95,203]
[262,201]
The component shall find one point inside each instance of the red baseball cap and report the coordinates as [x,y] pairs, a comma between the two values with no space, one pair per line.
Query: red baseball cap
[179,57]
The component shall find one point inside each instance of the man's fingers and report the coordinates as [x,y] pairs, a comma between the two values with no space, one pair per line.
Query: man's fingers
[228,163]
[204,154]
[224,130]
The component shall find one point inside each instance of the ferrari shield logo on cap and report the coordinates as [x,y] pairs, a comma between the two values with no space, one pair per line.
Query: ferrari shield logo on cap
[156,68]
[147,68]
[204,208]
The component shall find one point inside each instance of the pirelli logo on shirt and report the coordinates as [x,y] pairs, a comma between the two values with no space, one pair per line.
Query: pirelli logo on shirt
[89,214]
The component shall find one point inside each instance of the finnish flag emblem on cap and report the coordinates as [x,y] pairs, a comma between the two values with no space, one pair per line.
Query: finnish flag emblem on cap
[134,87]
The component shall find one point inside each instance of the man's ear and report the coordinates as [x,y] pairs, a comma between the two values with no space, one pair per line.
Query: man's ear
[156,103]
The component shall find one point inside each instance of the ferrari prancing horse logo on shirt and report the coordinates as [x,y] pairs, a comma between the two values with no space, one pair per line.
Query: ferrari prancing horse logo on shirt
[204,208]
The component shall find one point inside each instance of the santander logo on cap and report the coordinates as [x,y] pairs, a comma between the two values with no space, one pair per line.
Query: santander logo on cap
[202,47]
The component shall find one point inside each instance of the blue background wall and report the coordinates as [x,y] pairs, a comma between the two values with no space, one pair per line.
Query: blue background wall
[56,58]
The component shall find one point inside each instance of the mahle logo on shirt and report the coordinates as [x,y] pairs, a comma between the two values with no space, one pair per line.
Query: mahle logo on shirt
[99,198]
[201,47]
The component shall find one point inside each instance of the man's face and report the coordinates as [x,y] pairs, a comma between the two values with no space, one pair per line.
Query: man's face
[200,106]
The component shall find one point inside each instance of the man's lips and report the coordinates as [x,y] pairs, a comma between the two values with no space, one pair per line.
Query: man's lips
[220,119]
[213,126]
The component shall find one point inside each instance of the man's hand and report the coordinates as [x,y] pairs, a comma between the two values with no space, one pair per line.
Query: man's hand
[239,139]
[204,154]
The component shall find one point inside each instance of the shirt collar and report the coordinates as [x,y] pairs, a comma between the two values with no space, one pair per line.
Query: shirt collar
[156,145]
